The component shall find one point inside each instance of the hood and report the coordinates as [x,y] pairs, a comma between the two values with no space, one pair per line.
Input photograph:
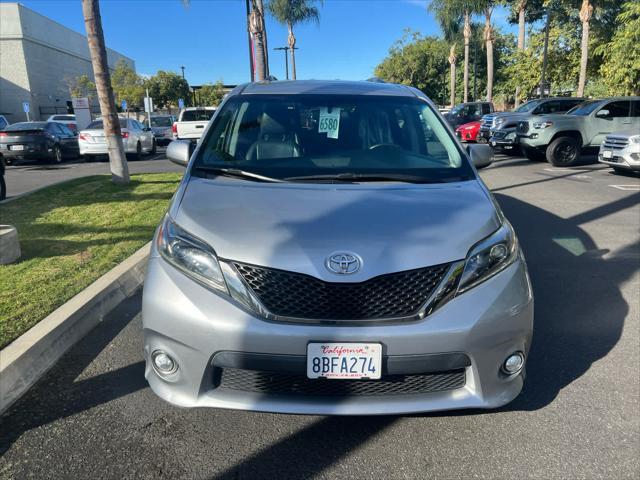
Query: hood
[555,117]
[296,227]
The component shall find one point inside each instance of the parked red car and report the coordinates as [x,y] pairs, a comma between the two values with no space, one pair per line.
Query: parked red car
[468,132]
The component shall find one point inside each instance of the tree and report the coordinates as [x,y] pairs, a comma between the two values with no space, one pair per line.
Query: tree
[586,11]
[486,8]
[127,85]
[166,88]
[620,69]
[290,13]
[417,61]
[81,86]
[113,135]
[259,34]
[211,94]
[449,18]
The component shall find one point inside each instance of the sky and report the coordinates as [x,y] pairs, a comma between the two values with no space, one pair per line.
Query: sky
[210,36]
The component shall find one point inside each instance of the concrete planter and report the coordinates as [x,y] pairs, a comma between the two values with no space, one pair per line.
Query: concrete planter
[9,244]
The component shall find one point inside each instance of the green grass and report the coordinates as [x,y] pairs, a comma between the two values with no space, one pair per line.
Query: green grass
[70,235]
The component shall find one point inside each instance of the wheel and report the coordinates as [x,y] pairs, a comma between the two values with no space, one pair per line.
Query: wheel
[56,156]
[3,185]
[563,152]
[621,171]
[89,158]
[138,154]
[154,148]
[8,161]
[533,155]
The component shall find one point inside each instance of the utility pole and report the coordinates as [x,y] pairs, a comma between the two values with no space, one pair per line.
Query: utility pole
[544,55]
[182,67]
[286,58]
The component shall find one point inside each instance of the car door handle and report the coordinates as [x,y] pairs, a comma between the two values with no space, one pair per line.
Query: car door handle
[199,126]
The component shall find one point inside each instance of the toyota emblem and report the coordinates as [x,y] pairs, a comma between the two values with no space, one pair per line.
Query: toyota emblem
[343,263]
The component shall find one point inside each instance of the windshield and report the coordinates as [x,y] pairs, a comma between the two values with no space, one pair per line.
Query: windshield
[97,124]
[64,117]
[18,127]
[584,108]
[197,115]
[282,136]
[527,107]
[161,121]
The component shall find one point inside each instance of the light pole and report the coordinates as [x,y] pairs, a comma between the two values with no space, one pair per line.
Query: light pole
[182,67]
[286,58]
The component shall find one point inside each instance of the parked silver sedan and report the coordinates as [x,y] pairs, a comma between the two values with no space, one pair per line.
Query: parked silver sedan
[325,255]
[161,126]
[137,139]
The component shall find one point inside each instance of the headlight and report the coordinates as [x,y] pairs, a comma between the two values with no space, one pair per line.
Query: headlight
[634,139]
[489,257]
[510,136]
[541,125]
[190,255]
[498,121]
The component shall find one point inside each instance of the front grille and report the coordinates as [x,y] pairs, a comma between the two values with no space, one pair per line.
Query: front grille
[487,121]
[499,135]
[287,384]
[523,127]
[295,295]
[615,143]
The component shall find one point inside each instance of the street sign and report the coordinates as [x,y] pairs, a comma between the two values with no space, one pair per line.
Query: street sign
[180,103]
[124,105]
[26,107]
[148,104]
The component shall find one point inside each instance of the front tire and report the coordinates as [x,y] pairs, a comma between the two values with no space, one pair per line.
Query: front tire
[154,148]
[563,152]
[56,156]
[138,154]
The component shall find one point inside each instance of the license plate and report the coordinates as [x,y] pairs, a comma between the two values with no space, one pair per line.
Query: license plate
[607,154]
[346,361]
[17,147]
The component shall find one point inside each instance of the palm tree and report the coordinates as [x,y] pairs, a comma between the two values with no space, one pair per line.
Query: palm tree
[113,135]
[290,13]
[585,16]
[522,6]
[466,31]
[449,19]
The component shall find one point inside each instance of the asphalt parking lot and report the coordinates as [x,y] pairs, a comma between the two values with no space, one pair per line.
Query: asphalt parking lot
[93,415]
[26,176]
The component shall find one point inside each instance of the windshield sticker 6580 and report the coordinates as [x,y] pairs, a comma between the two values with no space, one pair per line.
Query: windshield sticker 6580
[329,122]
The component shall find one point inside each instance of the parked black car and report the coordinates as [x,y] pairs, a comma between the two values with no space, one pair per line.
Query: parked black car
[38,141]
[467,112]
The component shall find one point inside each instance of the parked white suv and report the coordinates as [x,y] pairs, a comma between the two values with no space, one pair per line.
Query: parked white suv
[621,150]
[192,122]
[137,139]
[68,120]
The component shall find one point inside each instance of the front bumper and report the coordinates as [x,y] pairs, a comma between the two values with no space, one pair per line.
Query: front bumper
[627,158]
[502,141]
[196,327]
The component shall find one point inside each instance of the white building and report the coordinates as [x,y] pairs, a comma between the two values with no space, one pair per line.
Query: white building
[37,56]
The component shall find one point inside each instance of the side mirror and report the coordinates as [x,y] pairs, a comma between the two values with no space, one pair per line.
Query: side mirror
[481,155]
[602,113]
[179,152]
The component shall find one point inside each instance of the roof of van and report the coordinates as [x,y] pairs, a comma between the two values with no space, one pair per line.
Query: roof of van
[324,87]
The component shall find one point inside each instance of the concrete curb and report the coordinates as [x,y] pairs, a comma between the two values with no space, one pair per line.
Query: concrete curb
[31,355]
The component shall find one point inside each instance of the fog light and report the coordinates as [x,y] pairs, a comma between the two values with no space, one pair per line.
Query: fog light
[513,364]
[163,363]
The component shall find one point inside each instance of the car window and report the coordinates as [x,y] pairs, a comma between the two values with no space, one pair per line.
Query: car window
[486,108]
[286,136]
[585,108]
[65,130]
[527,107]
[161,121]
[54,128]
[617,109]
[22,126]
[197,115]
[66,118]
[97,124]
[3,123]
[635,111]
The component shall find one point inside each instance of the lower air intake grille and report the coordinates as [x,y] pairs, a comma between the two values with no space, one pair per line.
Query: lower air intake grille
[285,384]
[295,295]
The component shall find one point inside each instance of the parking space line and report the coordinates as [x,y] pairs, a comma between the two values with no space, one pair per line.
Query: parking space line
[627,187]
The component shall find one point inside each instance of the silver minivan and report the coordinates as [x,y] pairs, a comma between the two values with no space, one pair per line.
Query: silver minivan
[332,250]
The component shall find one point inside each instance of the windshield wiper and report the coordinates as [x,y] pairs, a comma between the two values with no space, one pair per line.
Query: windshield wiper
[369,177]
[237,173]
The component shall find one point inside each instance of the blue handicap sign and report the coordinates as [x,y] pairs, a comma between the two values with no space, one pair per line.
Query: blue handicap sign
[124,104]
[26,107]
[180,103]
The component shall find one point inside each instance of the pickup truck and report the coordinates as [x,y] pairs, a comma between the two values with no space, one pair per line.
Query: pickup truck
[560,138]
[192,122]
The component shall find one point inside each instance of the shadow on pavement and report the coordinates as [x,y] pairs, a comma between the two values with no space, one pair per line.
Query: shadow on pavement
[310,450]
[58,394]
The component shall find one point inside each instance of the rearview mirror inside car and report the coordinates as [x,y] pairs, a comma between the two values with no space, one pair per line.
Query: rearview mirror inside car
[179,152]
[481,154]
